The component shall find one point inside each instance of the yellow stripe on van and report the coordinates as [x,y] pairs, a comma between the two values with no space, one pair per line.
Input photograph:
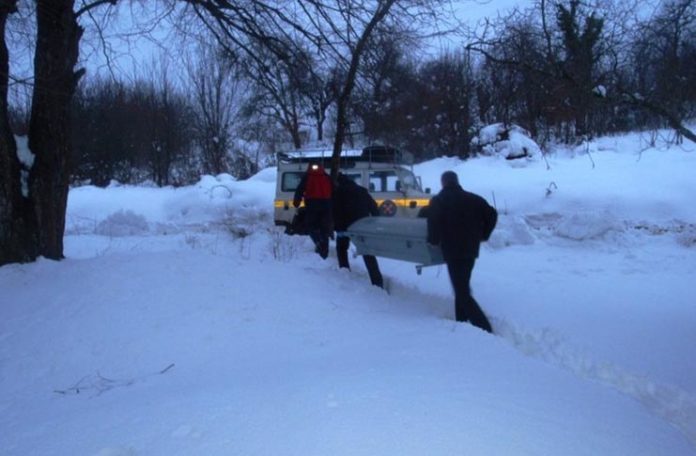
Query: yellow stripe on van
[401,202]
[406,202]
[280,204]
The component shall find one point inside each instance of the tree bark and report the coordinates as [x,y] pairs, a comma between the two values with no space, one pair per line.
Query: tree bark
[57,47]
[321,117]
[18,230]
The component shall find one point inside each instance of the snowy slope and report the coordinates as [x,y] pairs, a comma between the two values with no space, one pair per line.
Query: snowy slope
[183,323]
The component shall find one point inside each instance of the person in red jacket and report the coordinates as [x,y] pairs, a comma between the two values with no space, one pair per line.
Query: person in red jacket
[316,189]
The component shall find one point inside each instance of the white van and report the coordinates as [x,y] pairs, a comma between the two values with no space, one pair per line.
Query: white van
[384,171]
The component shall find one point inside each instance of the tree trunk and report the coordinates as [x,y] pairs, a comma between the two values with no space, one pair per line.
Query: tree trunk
[295,134]
[18,230]
[57,47]
[673,120]
[344,98]
[320,127]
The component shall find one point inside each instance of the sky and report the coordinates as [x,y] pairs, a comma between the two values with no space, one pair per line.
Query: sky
[182,322]
[131,53]
[110,48]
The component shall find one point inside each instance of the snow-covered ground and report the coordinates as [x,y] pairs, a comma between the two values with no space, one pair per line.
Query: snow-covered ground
[184,323]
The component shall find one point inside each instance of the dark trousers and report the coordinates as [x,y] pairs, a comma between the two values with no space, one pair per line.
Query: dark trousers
[465,306]
[342,244]
[318,219]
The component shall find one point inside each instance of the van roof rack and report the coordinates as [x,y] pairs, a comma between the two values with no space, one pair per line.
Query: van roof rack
[373,154]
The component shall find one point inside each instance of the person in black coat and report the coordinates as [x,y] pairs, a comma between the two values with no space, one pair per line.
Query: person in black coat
[351,202]
[458,221]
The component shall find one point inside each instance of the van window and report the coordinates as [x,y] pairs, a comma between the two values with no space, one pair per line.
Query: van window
[383,181]
[290,181]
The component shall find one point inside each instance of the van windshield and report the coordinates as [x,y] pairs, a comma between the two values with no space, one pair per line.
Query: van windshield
[408,180]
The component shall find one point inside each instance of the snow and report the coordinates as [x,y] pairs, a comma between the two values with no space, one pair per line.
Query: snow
[26,160]
[324,152]
[508,141]
[600,91]
[182,322]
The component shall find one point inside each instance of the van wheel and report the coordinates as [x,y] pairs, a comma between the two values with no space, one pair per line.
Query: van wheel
[387,208]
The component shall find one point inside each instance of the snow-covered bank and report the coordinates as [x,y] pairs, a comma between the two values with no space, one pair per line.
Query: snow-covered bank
[184,323]
[649,186]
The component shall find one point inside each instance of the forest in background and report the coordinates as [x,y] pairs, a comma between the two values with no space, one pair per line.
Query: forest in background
[565,71]
[239,81]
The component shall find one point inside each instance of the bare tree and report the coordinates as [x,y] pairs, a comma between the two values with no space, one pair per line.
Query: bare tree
[338,31]
[424,109]
[276,91]
[663,61]
[584,70]
[369,24]
[217,96]
[103,137]
[169,123]
[319,86]
[49,129]
[18,228]
[387,100]
[32,219]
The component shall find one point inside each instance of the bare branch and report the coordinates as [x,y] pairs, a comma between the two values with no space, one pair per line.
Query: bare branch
[672,120]
[90,6]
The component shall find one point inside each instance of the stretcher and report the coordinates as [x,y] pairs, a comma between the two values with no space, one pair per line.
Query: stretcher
[398,238]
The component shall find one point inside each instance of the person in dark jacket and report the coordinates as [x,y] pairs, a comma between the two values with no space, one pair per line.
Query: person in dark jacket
[352,202]
[458,221]
[316,189]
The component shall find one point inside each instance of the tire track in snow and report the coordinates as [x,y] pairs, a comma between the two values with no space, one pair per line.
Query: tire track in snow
[668,402]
